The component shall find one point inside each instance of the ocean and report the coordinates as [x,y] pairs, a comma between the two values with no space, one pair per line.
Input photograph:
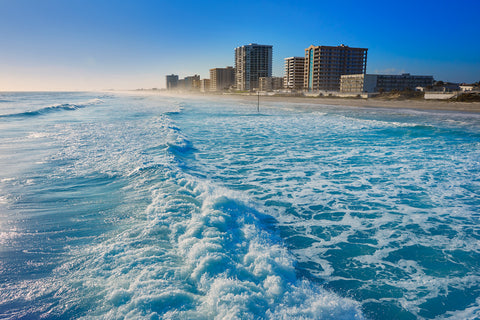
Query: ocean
[147,207]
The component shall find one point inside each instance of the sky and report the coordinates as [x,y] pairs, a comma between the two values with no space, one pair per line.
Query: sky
[127,44]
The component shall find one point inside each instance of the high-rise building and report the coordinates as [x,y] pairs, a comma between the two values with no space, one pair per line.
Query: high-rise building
[324,65]
[252,62]
[172,81]
[222,78]
[294,72]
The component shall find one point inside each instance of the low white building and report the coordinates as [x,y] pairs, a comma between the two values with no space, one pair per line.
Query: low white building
[270,83]
[466,87]
[382,82]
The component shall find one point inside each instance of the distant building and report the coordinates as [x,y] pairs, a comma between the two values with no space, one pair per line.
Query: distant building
[358,83]
[467,87]
[191,83]
[324,65]
[294,72]
[440,86]
[172,81]
[252,62]
[222,78]
[196,83]
[270,83]
[181,84]
[205,85]
[383,82]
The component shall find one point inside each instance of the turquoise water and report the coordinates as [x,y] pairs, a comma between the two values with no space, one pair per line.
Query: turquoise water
[130,206]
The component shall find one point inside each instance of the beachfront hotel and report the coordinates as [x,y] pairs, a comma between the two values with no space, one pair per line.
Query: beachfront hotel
[324,65]
[383,82]
[294,72]
[222,78]
[189,83]
[172,81]
[252,62]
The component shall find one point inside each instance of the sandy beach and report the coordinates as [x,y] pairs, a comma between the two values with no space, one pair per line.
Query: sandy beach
[415,104]
[372,103]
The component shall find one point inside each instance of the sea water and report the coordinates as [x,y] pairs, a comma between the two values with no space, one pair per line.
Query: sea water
[133,206]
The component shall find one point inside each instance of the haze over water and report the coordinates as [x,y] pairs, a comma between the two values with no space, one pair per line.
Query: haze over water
[117,206]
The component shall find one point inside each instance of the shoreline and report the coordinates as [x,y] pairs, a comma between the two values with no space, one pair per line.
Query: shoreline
[473,107]
[438,105]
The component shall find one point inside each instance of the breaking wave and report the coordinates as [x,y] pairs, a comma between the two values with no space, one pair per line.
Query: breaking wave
[51,109]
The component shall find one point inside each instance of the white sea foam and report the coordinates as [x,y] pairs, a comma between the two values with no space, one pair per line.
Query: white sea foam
[37,135]
[369,192]
[243,215]
[472,312]
[205,252]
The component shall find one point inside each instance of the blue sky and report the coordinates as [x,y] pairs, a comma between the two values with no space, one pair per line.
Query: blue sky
[86,44]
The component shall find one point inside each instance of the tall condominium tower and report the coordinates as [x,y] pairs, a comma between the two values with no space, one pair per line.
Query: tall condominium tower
[294,72]
[252,62]
[221,78]
[324,65]
[172,81]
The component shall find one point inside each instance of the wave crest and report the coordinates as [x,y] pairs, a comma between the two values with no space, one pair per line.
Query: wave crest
[51,109]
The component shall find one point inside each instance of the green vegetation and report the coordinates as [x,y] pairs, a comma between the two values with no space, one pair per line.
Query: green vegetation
[467,97]
[401,95]
[288,95]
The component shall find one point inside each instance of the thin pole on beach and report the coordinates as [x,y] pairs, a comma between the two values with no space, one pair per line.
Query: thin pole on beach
[258,101]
